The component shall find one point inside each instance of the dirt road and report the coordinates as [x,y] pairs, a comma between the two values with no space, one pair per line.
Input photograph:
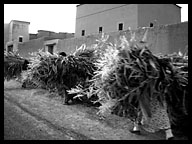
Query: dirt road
[20,124]
[35,114]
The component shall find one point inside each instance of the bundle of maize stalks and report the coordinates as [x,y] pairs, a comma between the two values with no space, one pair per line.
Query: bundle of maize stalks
[13,65]
[128,75]
[59,73]
[177,92]
[92,54]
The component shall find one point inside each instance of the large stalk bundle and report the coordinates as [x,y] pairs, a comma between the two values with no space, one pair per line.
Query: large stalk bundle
[13,65]
[129,75]
[122,77]
[177,93]
[58,73]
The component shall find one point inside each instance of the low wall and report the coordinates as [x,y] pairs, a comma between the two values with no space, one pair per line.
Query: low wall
[164,39]
[31,46]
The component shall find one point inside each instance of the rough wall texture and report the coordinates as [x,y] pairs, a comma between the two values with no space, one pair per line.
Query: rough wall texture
[53,35]
[31,46]
[54,42]
[178,37]
[163,13]
[91,17]
[6,34]
[70,45]
[32,36]
[163,39]
[19,29]
[12,43]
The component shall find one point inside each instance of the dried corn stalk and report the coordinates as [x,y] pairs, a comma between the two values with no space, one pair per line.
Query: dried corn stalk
[13,66]
[130,74]
[57,73]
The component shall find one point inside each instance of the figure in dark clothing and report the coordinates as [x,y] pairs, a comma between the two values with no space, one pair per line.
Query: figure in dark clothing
[63,54]
[25,65]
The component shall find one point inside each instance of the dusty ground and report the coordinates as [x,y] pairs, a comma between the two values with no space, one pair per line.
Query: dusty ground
[71,121]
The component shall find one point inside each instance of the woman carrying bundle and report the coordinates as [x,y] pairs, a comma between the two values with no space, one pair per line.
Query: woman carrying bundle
[158,120]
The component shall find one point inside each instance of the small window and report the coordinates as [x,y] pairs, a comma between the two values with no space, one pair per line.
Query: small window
[83,33]
[100,29]
[120,26]
[20,39]
[151,24]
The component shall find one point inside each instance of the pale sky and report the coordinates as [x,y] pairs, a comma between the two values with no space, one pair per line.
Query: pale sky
[53,17]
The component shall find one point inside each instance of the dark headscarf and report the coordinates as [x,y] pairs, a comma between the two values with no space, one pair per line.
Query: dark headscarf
[63,54]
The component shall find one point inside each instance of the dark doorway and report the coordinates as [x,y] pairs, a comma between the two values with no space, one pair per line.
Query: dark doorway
[10,48]
[50,48]
[100,29]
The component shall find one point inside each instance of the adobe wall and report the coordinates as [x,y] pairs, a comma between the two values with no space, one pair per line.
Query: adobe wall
[164,39]
[6,34]
[91,17]
[163,13]
[19,29]
[31,46]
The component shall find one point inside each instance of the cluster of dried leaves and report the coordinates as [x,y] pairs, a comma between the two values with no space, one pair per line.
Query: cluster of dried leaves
[129,75]
[121,77]
[13,65]
[58,73]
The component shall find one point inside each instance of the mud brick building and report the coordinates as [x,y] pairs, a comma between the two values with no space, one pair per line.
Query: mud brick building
[97,18]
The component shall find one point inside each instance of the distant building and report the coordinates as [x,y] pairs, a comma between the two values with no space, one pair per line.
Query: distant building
[18,39]
[51,39]
[15,32]
[50,34]
[98,18]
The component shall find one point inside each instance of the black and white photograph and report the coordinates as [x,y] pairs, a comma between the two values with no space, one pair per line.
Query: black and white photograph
[96,72]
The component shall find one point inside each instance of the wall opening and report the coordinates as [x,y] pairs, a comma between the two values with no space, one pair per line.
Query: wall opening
[151,24]
[50,48]
[120,28]
[10,48]
[20,39]
[100,29]
[83,33]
